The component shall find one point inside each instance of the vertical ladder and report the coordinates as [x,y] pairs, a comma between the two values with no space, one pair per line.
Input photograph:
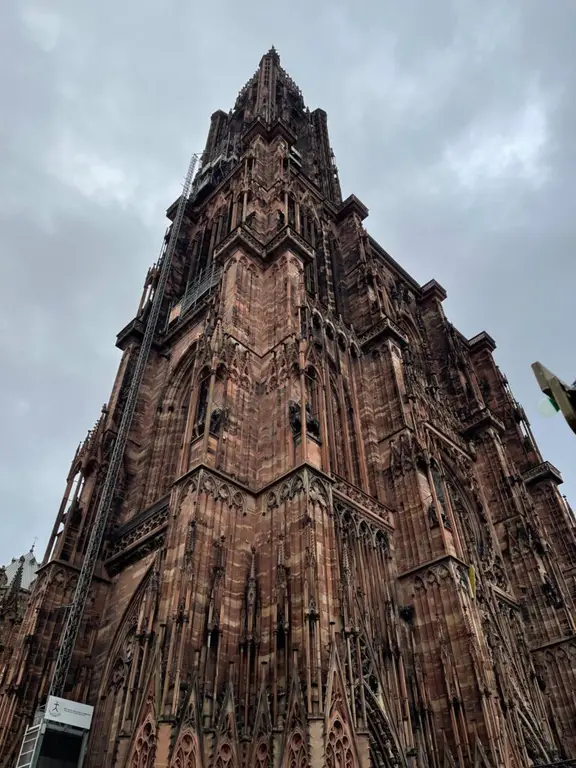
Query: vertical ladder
[29,746]
[74,619]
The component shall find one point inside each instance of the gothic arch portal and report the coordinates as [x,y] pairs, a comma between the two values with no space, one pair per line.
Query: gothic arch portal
[121,681]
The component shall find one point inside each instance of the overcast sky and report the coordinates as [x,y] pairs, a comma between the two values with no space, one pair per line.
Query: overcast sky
[453,122]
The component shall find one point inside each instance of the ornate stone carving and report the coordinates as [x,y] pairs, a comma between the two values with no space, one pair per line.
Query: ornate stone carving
[360,499]
[551,592]
[145,532]
[353,521]
[295,415]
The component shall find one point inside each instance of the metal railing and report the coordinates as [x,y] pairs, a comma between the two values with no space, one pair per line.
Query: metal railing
[202,285]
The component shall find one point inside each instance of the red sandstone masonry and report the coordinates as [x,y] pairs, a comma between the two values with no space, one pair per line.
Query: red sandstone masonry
[388,574]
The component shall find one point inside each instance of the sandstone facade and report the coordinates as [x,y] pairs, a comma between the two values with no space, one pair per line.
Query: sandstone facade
[334,542]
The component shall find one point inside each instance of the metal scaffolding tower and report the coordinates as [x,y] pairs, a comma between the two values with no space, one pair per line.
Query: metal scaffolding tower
[74,618]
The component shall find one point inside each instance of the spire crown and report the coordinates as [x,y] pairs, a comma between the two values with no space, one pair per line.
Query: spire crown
[273,54]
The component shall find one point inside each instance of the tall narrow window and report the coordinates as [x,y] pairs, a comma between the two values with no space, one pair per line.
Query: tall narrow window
[201,406]
[322,275]
[239,210]
[291,212]
[335,264]
[310,278]
[75,491]
[220,225]
[440,495]
[229,215]
[313,392]
[305,222]
[315,234]
[313,404]
[205,249]
[338,462]
[194,257]
[351,425]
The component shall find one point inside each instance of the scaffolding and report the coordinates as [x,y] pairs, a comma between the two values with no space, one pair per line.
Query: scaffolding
[75,614]
[202,285]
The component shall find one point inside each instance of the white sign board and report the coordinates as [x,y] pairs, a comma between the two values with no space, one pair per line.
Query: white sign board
[68,713]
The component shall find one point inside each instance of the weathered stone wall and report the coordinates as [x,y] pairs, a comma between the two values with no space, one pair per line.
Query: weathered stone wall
[334,540]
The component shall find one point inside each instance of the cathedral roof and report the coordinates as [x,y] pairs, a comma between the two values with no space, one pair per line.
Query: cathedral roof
[22,570]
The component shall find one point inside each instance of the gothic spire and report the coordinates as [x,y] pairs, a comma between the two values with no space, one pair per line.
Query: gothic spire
[270,92]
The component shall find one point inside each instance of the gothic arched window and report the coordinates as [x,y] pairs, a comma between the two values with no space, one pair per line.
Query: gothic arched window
[339,747]
[239,210]
[351,426]
[466,514]
[194,256]
[322,273]
[310,278]
[145,748]
[313,392]
[205,249]
[307,225]
[202,404]
[76,487]
[291,212]
[338,462]
[313,405]
[221,222]
[438,483]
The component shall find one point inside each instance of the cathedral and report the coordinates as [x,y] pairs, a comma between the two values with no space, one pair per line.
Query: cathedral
[334,542]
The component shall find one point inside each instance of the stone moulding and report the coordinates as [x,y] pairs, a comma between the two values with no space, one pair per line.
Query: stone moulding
[369,507]
[138,537]
[385,328]
[146,531]
[286,239]
[239,238]
[289,239]
[259,128]
[446,566]
[133,331]
[356,521]
[480,420]
[544,471]
[352,205]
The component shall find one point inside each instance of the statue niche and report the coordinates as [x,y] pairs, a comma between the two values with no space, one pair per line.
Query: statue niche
[312,424]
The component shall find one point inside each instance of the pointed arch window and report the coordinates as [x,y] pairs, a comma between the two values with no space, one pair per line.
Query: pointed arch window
[338,749]
[222,227]
[334,259]
[194,259]
[353,442]
[321,272]
[313,405]
[291,212]
[145,748]
[438,483]
[185,751]
[202,404]
[338,463]
[310,278]
[229,213]
[306,220]
[313,392]
[239,210]
[205,249]
[76,488]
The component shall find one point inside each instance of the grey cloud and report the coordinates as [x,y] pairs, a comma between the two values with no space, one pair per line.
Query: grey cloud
[103,103]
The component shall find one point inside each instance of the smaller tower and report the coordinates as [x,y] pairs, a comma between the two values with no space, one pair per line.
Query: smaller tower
[16,582]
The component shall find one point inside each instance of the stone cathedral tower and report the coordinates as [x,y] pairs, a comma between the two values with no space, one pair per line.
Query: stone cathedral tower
[334,541]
